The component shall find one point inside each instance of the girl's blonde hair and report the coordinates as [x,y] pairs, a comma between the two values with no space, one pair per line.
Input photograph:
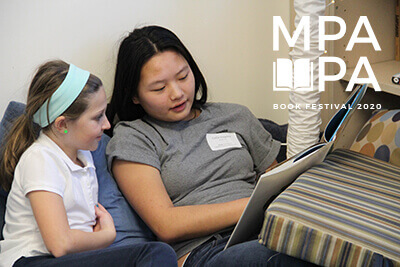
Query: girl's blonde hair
[23,133]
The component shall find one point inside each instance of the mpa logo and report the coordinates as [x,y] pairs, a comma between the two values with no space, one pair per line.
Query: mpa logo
[299,74]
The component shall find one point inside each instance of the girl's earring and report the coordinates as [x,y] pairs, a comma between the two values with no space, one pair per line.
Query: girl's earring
[66,131]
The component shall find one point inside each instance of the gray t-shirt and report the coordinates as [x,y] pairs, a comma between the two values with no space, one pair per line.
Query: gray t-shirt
[192,172]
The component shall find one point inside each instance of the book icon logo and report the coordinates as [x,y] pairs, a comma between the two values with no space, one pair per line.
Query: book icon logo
[297,75]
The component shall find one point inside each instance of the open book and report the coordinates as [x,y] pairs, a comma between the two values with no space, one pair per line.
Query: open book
[278,178]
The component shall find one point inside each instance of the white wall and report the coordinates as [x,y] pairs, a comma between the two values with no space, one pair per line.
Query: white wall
[231,41]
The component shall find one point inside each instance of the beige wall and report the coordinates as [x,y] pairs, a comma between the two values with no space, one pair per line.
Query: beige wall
[230,39]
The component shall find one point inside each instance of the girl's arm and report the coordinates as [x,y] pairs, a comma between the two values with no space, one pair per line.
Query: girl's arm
[143,187]
[51,217]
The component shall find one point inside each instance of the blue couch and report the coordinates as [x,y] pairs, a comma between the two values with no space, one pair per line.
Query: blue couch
[130,228]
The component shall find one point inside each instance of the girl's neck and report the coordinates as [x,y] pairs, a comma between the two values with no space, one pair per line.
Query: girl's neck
[196,113]
[71,153]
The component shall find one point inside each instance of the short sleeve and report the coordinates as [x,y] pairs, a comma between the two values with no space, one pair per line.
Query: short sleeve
[130,143]
[40,169]
[262,147]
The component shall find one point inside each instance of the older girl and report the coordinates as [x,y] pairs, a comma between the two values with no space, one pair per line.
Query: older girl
[187,167]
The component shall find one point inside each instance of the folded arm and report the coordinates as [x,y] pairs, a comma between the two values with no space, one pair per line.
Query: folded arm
[51,217]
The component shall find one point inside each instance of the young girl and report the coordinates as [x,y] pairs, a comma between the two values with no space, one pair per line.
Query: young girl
[52,211]
[187,167]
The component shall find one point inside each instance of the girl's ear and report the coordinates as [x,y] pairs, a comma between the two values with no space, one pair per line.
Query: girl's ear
[135,100]
[60,124]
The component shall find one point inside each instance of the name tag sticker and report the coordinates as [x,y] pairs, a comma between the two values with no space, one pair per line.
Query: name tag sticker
[219,141]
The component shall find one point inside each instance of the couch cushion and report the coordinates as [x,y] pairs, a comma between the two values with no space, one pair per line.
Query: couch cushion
[128,224]
[279,133]
[380,137]
[343,212]
[13,110]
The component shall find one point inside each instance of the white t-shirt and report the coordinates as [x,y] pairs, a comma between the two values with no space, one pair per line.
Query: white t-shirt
[45,166]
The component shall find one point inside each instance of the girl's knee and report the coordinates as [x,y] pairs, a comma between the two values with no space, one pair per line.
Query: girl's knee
[160,254]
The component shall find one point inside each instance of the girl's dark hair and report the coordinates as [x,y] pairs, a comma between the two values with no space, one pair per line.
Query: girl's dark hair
[135,50]
[23,133]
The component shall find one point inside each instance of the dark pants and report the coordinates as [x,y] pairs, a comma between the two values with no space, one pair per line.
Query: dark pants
[249,253]
[141,254]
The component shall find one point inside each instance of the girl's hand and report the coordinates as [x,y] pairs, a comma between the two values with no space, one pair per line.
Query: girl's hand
[104,221]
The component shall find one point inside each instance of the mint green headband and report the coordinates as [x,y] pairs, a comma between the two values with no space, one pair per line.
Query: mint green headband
[63,97]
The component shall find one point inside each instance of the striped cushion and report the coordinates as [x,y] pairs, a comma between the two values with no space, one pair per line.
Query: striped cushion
[343,212]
